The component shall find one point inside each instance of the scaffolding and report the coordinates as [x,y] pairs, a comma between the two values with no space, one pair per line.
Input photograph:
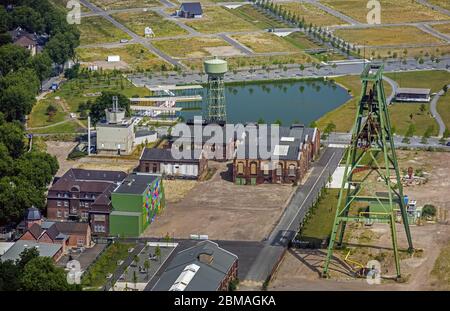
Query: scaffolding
[371,151]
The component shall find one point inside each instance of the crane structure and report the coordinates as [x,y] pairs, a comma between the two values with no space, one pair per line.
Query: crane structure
[371,151]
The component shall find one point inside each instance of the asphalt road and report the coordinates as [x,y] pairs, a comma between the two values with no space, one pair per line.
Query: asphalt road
[287,227]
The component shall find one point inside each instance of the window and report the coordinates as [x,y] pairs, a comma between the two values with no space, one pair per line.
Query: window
[253,167]
[279,169]
[292,169]
[81,204]
[59,195]
[66,203]
[86,204]
[58,203]
[99,228]
[266,169]
[147,169]
[66,214]
[240,168]
[155,167]
[93,196]
[58,214]
[84,215]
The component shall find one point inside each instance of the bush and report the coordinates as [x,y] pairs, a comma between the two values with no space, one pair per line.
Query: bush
[429,210]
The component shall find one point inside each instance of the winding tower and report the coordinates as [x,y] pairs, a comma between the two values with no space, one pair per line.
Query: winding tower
[371,151]
[216,69]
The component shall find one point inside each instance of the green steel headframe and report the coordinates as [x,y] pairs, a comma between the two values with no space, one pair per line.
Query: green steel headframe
[371,151]
[216,98]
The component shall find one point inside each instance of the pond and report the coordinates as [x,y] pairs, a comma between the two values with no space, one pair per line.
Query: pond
[288,102]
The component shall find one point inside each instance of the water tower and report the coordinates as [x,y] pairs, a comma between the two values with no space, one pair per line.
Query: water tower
[216,69]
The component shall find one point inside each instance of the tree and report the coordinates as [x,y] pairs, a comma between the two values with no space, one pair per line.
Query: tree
[136,260]
[12,57]
[422,108]
[42,65]
[40,274]
[313,124]
[410,131]
[279,122]
[446,133]
[158,252]
[445,88]
[135,279]
[147,266]
[261,121]
[330,127]
[105,101]
[51,111]
[27,18]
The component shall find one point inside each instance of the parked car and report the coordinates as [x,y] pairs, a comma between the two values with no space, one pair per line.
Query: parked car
[123,40]
[448,143]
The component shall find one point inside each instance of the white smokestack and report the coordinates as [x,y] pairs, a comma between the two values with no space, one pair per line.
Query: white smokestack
[89,135]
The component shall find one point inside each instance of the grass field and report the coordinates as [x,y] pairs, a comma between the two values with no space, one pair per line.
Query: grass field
[255,17]
[63,3]
[98,30]
[400,119]
[216,19]
[192,47]
[442,3]
[434,80]
[312,14]
[64,128]
[344,116]
[444,28]
[386,36]
[399,112]
[443,108]
[392,11]
[301,41]
[437,51]
[38,116]
[125,4]
[320,223]
[135,55]
[137,21]
[265,42]
[441,269]
[106,264]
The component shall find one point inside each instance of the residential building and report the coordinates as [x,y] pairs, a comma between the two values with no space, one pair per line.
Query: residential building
[136,202]
[51,250]
[190,10]
[203,267]
[162,161]
[25,39]
[288,161]
[84,195]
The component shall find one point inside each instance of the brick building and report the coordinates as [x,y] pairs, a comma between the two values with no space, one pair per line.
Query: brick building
[84,196]
[291,156]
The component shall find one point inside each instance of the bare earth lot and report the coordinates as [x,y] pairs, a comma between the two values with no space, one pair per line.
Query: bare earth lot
[223,210]
[300,268]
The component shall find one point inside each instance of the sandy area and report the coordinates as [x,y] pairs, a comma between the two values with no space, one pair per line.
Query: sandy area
[223,210]
[223,51]
[300,269]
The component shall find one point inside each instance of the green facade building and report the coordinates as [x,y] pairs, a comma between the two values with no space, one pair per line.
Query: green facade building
[136,203]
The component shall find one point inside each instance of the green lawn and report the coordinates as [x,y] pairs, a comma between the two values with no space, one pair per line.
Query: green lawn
[105,264]
[434,79]
[74,91]
[98,30]
[301,41]
[137,21]
[399,112]
[443,108]
[320,223]
[257,18]
[39,117]
[68,127]
[197,47]
[311,14]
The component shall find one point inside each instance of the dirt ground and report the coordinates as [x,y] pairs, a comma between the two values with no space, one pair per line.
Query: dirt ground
[300,269]
[223,210]
[61,150]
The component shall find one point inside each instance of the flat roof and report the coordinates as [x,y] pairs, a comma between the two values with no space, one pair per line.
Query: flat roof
[45,249]
[410,90]
[136,183]
[155,88]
